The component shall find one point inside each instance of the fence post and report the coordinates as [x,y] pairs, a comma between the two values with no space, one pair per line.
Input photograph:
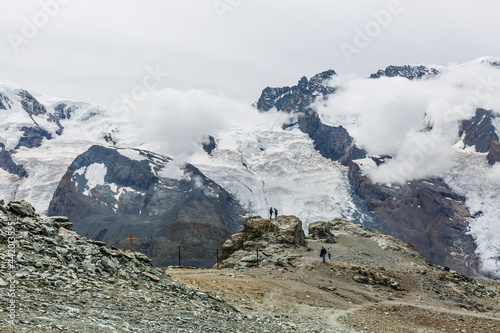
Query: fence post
[257,257]
[179,255]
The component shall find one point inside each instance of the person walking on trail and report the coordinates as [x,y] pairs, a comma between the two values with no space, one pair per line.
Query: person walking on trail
[271,213]
[275,214]
[329,253]
[322,254]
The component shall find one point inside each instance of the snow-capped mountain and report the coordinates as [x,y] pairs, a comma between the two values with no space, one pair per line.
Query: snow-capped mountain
[112,193]
[341,153]
[411,72]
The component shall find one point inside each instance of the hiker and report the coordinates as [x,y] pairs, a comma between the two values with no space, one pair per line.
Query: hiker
[271,213]
[323,253]
[329,253]
[275,214]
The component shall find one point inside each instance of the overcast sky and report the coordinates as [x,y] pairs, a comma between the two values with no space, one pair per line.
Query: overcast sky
[96,51]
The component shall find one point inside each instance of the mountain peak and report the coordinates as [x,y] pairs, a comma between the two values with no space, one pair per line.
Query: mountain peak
[411,72]
[292,99]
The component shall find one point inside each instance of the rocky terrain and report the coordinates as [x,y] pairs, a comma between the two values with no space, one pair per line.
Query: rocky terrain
[372,283]
[54,280]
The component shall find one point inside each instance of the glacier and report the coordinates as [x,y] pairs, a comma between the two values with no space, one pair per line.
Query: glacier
[280,168]
[472,177]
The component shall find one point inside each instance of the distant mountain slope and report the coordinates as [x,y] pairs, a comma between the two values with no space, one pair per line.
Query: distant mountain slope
[427,212]
[110,194]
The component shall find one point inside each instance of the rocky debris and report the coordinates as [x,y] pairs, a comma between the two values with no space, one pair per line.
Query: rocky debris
[367,276]
[494,153]
[321,231]
[383,240]
[61,281]
[410,72]
[21,208]
[479,131]
[267,236]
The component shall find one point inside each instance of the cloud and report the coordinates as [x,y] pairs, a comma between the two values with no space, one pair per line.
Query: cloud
[416,122]
[175,122]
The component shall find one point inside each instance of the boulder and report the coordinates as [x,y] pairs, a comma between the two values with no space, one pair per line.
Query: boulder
[21,208]
[260,234]
[321,231]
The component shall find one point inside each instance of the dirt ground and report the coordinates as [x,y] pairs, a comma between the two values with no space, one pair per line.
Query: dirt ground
[310,290]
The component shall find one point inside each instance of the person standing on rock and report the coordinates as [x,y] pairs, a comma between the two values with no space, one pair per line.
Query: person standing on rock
[275,213]
[270,213]
[322,254]
[329,253]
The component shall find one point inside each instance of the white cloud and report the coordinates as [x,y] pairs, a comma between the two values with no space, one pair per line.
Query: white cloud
[416,122]
[175,122]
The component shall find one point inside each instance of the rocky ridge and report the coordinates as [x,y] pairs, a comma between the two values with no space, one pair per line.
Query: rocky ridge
[372,283]
[53,279]
[411,72]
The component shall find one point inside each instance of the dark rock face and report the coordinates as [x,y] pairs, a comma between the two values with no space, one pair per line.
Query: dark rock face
[296,98]
[162,213]
[34,108]
[63,111]
[494,153]
[334,143]
[33,137]
[210,145]
[407,71]
[425,213]
[30,104]
[8,164]
[479,131]
[5,102]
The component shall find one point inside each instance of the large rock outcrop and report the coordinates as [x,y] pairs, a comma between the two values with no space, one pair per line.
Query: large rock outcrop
[110,194]
[320,230]
[265,235]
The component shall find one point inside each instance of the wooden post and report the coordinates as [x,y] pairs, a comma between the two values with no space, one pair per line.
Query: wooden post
[131,239]
[179,255]
[217,258]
